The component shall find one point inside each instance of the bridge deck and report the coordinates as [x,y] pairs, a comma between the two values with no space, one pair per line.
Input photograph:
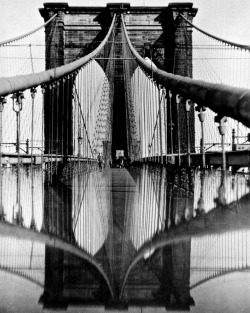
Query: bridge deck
[9,159]
[233,158]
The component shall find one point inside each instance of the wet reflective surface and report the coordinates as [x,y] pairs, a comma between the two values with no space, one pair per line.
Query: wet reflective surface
[139,239]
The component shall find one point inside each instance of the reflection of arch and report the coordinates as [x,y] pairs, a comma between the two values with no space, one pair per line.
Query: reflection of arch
[146,218]
[53,241]
[197,227]
[91,216]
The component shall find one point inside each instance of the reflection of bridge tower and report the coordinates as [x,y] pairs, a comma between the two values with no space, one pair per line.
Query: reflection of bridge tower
[53,282]
[68,277]
[175,276]
[161,276]
[58,211]
[162,279]
[57,221]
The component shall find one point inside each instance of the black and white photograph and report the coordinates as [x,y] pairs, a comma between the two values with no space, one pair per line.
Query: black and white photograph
[124,156]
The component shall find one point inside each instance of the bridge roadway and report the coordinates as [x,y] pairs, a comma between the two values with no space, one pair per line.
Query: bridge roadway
[236,159]
[9,159]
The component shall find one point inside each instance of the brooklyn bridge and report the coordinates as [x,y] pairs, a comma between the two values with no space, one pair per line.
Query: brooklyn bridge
[124,158]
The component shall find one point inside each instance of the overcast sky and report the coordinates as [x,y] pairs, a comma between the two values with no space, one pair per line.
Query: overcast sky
[228,19]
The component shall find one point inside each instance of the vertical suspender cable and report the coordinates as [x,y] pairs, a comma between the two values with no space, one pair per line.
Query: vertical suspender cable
[57,101]
[139,115]
[149,124]
[160,97]
[158,117]
[33,93]
[164,95]
[87,107]
[2,102]
[62,116]
[187,104]
[144,116]
[178,129]
[170,96]
[68,118]
[155,124]
[51,131]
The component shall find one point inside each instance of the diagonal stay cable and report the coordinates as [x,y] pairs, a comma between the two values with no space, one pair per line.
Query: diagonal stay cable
[76,215]
[84,124]
[2,43]
[246,47]
[220,98]
[12,84]
[156,123]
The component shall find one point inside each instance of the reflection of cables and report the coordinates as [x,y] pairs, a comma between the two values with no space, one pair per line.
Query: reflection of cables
[79,204]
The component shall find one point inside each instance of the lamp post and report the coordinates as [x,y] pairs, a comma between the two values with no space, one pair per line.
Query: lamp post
[17,99]
[202,119]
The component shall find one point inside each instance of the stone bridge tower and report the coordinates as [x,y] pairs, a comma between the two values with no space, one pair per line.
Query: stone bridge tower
[156,32]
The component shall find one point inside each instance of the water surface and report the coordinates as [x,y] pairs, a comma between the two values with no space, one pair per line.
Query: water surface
[138,239]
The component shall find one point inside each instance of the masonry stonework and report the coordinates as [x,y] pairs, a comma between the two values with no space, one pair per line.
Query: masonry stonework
[155,32]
